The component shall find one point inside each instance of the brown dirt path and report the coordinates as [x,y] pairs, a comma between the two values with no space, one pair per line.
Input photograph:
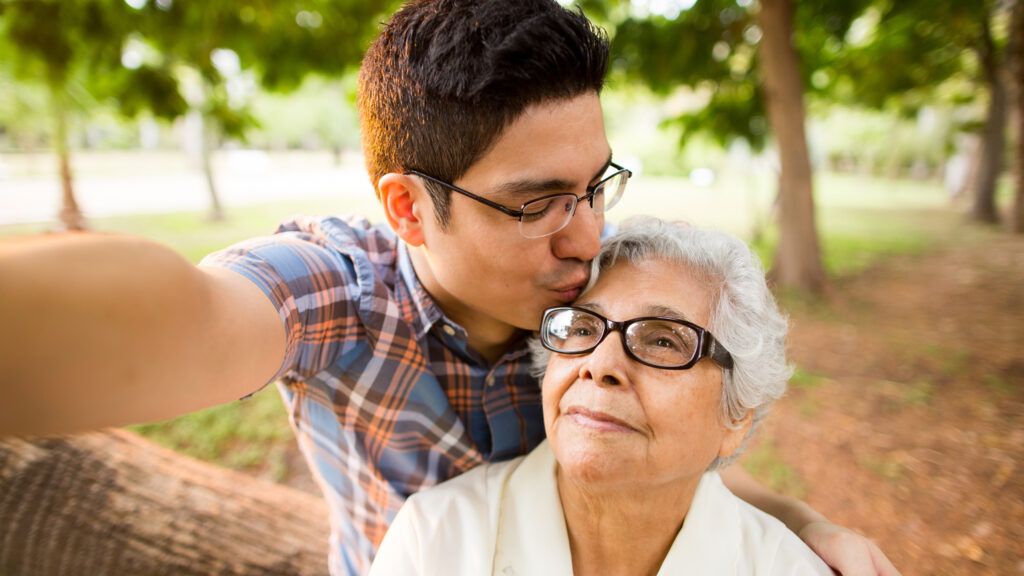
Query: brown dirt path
[906,419]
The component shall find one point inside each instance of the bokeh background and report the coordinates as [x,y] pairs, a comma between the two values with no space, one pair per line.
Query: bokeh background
[869,150]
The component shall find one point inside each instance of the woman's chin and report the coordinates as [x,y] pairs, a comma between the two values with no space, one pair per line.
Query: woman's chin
[596,459]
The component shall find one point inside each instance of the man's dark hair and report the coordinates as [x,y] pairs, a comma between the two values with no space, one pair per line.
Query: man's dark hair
[446,77]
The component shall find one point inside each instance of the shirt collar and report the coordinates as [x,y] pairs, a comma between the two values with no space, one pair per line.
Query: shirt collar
[532,536]
[426,311]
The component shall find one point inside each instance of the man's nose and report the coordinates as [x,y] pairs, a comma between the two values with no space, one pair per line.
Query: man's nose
[581,238]
[606,365]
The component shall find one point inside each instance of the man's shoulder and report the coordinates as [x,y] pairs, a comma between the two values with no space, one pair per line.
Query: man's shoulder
[335,248]
[344,232]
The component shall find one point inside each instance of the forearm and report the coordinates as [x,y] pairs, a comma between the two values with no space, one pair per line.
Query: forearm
[794,513]
[102,330]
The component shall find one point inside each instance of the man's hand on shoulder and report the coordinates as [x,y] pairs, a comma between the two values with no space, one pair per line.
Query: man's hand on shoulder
[847,552]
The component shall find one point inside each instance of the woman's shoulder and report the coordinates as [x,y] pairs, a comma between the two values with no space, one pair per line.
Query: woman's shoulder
[449,528]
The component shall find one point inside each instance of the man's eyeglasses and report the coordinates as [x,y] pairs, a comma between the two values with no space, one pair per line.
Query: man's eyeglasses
[659,342]
[547,215]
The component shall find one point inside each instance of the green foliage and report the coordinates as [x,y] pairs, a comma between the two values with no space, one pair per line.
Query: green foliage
[905,49]
[75,48]
[238,435]
[712,48]
[165,56]
[804,379]
[881,54]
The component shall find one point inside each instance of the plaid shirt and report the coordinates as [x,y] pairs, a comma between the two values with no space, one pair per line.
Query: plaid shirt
[384,394]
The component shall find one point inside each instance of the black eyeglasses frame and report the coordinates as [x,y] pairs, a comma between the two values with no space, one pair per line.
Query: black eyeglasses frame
[707,345]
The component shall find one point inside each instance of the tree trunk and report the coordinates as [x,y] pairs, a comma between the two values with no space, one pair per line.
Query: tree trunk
[70,214]
[112,503]
[993,135]
[798,257]
[1017,64]
[209,140]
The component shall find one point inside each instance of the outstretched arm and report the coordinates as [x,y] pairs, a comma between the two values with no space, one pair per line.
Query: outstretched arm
[846,551]
[102,330]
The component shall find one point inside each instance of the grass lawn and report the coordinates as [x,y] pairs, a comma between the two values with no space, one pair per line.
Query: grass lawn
[859,219]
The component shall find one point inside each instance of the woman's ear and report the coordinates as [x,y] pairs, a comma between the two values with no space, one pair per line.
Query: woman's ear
[735,434]
[404,198]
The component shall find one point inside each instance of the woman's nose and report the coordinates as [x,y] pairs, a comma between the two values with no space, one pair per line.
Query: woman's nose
[606,364]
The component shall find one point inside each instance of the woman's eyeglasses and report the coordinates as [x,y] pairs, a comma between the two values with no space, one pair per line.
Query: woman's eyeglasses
[658,342]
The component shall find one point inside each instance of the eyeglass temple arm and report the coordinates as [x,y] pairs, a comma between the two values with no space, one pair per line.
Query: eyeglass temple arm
[454,188]
[717,352]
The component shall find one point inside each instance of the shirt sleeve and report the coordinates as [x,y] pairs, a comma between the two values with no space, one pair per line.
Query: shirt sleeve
[312,286]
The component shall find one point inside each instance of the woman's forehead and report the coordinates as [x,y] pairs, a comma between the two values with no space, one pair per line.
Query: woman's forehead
[649,288]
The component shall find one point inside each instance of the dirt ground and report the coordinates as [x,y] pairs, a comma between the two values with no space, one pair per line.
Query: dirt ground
[905,420]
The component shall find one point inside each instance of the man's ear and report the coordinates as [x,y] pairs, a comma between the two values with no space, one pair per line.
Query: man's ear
[404,200]
[735,434]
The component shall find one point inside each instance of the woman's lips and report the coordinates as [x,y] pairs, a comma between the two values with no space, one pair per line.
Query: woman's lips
[597,420]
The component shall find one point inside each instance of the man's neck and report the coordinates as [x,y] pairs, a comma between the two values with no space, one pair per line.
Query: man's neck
[487,335]
[622,531]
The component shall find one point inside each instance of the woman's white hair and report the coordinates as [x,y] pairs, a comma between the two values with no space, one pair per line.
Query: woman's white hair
[744,316]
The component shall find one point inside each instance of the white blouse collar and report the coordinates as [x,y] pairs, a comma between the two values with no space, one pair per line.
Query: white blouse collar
[532,539]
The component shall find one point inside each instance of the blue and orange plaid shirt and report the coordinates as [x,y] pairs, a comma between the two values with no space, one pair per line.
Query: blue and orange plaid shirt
[384,394]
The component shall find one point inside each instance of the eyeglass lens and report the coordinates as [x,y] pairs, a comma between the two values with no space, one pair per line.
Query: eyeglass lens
[658,342]
[549,215]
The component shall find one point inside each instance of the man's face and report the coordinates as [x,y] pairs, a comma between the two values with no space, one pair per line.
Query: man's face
[485,274]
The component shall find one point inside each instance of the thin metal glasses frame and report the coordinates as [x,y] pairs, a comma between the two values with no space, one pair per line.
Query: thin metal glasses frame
[518,214]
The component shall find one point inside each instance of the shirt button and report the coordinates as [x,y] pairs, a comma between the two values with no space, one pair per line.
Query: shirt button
[489,380]
[449,330]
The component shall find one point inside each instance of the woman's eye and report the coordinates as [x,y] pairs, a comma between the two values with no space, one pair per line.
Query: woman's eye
[581,331]
[664,343]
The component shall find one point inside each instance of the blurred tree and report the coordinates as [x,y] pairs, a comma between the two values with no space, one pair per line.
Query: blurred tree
[1016,58]
[754,62]
[170,57]
[73,49]
[798,256]
[233,45]
[914,52]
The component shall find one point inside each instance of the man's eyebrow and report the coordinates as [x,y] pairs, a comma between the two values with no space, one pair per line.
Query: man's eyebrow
[533,186]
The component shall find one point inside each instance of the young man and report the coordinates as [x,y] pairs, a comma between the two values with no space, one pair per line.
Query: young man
[400,349]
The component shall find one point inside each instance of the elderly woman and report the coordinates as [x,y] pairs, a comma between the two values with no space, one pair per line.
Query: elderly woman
[657,376]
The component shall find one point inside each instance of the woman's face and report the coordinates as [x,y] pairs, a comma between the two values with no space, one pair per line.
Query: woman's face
[612,421]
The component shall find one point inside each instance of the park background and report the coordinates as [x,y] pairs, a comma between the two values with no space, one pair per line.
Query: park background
[892,230]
